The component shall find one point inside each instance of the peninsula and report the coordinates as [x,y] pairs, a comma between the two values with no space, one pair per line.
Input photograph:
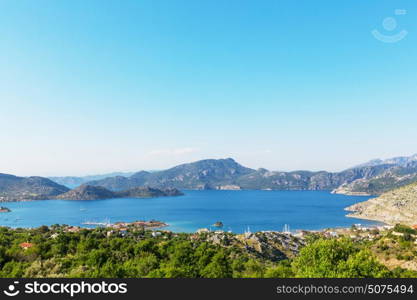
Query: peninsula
[396,206]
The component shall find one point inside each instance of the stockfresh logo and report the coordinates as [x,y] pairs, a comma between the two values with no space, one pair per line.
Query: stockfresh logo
[12,290]
[66,288]
[390,25]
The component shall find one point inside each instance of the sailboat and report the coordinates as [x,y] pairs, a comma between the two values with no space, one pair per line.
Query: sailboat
[286,229]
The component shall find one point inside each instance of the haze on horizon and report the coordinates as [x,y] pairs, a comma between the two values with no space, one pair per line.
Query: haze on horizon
[91,87]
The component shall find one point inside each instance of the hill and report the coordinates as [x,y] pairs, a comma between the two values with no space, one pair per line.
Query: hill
[396,206]
[14,188]
[87,192]
[203,174]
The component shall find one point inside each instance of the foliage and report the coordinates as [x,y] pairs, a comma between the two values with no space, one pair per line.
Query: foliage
[337,258]
[96,253]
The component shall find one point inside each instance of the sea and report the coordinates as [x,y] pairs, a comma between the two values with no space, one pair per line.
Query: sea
[239,211]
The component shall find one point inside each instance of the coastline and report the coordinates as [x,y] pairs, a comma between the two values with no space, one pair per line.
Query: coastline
[353,216]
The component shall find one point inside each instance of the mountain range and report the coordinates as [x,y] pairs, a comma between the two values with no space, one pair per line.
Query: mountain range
[371,178]
[74,181]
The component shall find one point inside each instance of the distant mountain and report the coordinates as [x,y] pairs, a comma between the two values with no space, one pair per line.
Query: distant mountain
[304,180]
[396,206]
[89,192]
[398,161]
[14,188]
[395,176]
[73,181]
[228,174]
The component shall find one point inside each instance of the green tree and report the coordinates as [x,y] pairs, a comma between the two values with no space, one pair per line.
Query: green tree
[219,267]
[336,258]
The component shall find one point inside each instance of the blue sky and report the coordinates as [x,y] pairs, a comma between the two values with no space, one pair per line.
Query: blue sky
[97,86]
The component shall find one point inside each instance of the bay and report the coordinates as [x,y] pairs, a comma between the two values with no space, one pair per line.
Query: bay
[237,210]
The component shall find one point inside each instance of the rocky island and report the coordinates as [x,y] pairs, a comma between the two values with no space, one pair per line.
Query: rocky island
[88,192]
[218,224]
[4,209]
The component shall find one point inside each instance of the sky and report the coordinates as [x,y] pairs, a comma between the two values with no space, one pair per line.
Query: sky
[90,87]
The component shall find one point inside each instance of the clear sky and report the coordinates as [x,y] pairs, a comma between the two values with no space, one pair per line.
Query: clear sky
[97,86]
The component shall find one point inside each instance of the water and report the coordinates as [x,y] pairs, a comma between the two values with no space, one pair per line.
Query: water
[260,210]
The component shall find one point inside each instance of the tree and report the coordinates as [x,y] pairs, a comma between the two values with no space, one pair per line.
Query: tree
[219,267]
[281,270]
[336,258]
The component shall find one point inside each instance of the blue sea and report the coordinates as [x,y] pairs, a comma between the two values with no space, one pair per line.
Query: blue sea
[238,210]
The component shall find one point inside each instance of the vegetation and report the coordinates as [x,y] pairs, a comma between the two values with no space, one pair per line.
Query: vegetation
[54,252]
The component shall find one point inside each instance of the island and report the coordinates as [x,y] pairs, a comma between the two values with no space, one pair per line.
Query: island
[4,209]
[218,224]
[89,192]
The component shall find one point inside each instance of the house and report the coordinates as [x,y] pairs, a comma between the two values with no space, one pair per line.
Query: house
[54,236]
[122,231]
[156,233]
[73,229]
[26,246]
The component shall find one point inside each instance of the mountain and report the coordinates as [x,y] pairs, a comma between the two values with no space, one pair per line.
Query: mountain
[14,188]
[396,206]
[304,180]
[73,181]
[89,192]
[372,178]
[203,174]
[393,177]
[228,174]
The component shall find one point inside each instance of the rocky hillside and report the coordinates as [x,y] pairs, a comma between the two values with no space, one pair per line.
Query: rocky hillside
[203,174]
[396,206]
[270,245]
[226,174]
[394,176]
[148,192]
[88,192]
[14,188]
